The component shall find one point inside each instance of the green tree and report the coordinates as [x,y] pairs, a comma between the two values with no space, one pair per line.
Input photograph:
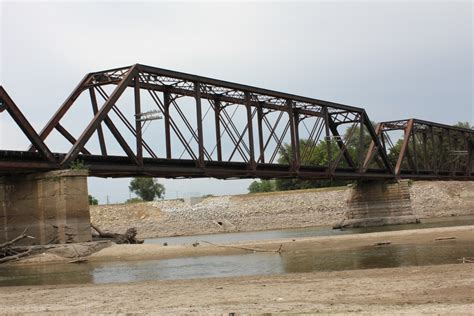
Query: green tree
[313,155]
[464,125]
[262,186]
[146,188]
[93,200]
[316,155]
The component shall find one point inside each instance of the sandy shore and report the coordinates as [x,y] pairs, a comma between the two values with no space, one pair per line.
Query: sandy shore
[428,289]
[445,289]
[155,251]
[106,251]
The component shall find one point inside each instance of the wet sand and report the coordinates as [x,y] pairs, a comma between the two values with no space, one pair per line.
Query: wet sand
[154,251]
[428,289]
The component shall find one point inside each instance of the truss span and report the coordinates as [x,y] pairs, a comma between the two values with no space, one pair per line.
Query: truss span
[142,120]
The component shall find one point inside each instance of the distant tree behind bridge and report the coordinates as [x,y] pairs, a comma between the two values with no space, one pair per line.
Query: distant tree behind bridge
[146,188]
[464,125]
[93,200]
[311,154]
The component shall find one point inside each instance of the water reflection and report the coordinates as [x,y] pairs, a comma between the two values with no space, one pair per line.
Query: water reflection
[46,274]
[189,268]
[370,257]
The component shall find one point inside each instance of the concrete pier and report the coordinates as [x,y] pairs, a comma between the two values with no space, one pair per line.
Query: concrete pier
[379,203]
[53,206]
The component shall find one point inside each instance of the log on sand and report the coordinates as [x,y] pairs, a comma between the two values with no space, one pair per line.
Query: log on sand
[130,236]
[9,252]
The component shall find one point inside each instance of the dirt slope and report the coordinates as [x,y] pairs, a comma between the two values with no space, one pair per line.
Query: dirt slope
[276,210]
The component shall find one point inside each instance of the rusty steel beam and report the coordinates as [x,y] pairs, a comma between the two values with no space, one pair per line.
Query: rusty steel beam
[100,132]
[69,137]
[450,158]
[431,149]
[12,109]
[403,150]
[98,118]
[248,108]
[138,123]
[64,108]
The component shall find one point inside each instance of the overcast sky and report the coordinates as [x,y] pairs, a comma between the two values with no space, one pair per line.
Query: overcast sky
[395,59]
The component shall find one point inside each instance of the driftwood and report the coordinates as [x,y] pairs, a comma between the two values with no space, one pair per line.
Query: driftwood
[466,259]
[130,236]
[445,238]
[382,243]
[279,250]
[9,252]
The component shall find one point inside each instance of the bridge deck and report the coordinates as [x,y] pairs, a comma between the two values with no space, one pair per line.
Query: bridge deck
[21,162]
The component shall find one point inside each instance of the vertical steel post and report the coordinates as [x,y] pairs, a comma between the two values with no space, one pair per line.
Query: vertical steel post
[442,155]
[434,161]
[250,131]
[415,155]
[138,122]
[469,162]
[294,137]
[166,106]
[217,119]
[328,136]
[197,94]
[451,164]
[261,158]
[361,143]
[425,150]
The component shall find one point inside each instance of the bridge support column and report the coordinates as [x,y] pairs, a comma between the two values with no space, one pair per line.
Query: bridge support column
[378,203]
[53,206]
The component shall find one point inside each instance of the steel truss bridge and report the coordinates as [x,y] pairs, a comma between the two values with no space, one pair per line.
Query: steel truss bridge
[214,128]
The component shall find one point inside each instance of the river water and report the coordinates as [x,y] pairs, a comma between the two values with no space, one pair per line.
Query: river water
[309,232]
[448,251]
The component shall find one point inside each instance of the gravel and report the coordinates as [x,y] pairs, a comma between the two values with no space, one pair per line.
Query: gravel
[276,210]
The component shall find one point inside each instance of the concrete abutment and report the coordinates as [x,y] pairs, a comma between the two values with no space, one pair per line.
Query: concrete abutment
[379,203]
[53,207]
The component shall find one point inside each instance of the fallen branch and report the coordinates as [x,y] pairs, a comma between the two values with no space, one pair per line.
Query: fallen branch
[9,253]
[466,260]
[130,236]
[381,243]
[15,257]
[279,250]
[16,239]
[445,238]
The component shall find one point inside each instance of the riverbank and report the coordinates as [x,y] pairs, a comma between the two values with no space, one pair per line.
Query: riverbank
[437,289]
[266,211]
[105,251]
[444,289]
[334,243]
